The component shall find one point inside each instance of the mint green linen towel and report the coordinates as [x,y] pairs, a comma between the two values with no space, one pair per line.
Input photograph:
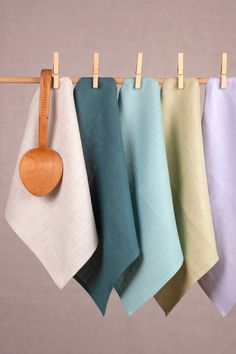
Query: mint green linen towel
[143,138]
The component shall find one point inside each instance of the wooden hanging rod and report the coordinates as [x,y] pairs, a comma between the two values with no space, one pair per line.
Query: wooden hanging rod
[35,80]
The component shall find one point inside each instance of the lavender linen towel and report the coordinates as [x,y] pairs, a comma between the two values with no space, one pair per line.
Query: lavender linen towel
[219,133]
[58,228]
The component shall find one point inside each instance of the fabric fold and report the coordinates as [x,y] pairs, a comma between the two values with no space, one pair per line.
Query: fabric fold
[98,117]
[219,128]
[160,251]
[185,155]
[58,228]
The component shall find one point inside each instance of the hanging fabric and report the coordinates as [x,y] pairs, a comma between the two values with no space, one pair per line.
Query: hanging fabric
[98,117]
[143,137]
[59,228]
[183,136]
[219,129]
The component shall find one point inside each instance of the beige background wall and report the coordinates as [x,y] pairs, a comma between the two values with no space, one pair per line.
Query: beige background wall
[35,317]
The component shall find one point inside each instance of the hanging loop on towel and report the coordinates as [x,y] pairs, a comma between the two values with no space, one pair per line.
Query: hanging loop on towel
[138,75]
[180,70]
[55,70]
[223,71]
[95,69]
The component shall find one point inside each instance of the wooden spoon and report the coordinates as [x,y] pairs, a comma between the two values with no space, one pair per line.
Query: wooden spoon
[41,168]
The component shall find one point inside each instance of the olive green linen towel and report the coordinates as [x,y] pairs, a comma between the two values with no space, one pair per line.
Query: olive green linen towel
[184,144]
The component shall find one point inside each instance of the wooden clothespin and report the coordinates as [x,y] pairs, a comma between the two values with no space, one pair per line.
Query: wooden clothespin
[223,72]
[95,69]
[180,70]
[55,70]
[138,74]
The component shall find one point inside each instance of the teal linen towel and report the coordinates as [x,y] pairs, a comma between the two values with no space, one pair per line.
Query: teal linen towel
[143,138]
[98,117]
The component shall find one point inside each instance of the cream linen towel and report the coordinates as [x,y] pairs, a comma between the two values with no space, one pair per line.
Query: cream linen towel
[183,136]
[58,228]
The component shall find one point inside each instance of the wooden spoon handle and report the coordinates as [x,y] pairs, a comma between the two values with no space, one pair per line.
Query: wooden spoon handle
[45,86]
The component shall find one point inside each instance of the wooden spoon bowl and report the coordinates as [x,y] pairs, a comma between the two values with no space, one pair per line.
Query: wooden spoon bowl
[41,170]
